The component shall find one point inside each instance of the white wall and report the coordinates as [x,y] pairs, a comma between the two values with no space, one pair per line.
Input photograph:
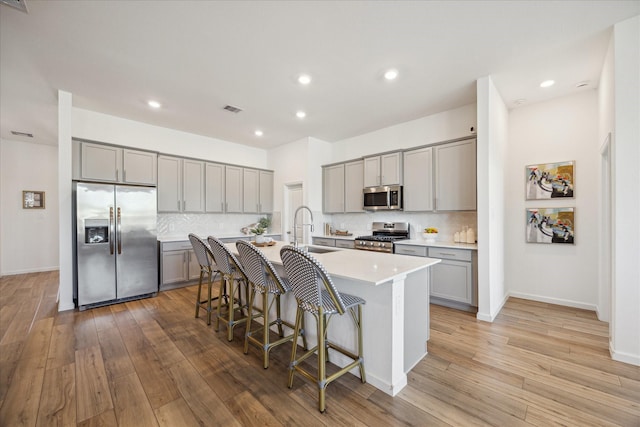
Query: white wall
[492,145]
[625,339]
[29,236]
[450,124]
[116,130]
[562,129]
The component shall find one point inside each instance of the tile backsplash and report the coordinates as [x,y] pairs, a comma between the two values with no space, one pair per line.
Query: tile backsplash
[447,223]
[207,224]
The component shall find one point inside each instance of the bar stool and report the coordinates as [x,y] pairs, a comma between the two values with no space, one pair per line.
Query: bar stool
[208,268]
[233,276]
[264,280]
[316,294]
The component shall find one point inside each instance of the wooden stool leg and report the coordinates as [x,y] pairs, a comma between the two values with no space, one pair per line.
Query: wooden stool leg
[252,297]
[322,353]
[198,297]
[265,329]
[294,347]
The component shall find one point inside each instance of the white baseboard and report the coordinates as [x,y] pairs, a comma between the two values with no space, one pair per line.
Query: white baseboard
[557,301]
[632,359]
[492,316]
[29,270]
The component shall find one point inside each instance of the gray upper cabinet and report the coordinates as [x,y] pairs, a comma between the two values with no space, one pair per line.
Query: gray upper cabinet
[115,164]
[193,197]
[233,189]
[385,169]
[333,188]
[214,187]
[266,192]
[353,185]
[169,184]
[455,176]
[251,193]
[180,185]
[418,180]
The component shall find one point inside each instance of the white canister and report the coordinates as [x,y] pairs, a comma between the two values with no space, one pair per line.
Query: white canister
[471,236]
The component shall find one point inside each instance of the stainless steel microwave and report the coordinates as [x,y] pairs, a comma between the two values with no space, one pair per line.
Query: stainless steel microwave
[388,197]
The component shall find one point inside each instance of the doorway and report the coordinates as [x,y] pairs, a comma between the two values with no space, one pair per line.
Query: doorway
[606,283]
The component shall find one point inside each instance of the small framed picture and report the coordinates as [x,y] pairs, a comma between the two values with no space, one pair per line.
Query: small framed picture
[550,225]
[549,180]
[32,199]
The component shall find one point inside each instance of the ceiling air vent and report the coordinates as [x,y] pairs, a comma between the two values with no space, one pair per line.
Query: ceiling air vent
[15,132]
[230,107]
[18,4]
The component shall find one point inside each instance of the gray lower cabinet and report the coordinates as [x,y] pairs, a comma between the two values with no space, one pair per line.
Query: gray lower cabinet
[178,264]
[454,279]
[338,243]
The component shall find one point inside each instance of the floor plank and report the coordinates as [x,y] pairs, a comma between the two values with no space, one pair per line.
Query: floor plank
[151,362]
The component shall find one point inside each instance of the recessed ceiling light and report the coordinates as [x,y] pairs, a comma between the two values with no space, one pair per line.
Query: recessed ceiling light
[301,114]
[547,83]
[391,74]
[304,79]
[154,104]
[258,132]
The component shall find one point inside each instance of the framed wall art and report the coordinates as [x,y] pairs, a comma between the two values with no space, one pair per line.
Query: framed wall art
[550,225]
[32,199]
[550,180]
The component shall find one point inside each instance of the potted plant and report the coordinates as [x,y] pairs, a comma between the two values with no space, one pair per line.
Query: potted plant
[260,228]
[430,234]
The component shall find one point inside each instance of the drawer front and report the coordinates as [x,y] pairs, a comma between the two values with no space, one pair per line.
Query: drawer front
[410,250]
[348,244]
[446,253]
[323,242]
[176,246]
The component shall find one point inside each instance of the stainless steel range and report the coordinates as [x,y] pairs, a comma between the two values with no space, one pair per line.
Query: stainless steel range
[384,234]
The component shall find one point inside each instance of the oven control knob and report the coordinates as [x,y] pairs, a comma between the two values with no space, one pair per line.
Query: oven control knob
[371,244]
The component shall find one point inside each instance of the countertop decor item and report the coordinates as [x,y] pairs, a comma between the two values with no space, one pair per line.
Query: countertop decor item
[430,234]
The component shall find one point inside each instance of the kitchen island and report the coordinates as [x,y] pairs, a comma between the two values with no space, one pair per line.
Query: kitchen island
[395,317]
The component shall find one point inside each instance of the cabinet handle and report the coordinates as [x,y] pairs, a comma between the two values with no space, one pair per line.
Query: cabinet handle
[184,205]
[117,175]
[124,175]
[221,206]
[447,254]
[178,204]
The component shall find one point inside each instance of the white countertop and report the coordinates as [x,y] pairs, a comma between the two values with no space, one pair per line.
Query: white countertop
[185,236]
[338,236]
[436,244]
[369,267]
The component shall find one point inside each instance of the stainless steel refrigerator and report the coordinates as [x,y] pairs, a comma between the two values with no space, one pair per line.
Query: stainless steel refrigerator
[115,254]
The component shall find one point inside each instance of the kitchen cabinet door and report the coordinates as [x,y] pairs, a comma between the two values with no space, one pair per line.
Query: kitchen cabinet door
[169,184]
[251,190]
[266,192]
[100,162]
[174,267]
[192,186]
[193,267]
[455,176]
[353,185]
[233,189]
[139,167]
[385,169]
[214,188]
[452,280]
[372,171]
[418,180]
[333,188]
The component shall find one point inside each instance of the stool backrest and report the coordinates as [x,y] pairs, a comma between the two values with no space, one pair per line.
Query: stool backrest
[202,251]
[259,269]
[226,261]
[308,278]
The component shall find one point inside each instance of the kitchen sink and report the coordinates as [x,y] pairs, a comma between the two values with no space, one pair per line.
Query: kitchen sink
[317,250]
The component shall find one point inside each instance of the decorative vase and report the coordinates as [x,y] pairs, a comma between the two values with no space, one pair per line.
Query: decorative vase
[260,238]
[430,237]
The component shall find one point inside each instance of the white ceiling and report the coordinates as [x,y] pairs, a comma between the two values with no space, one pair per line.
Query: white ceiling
[197,56]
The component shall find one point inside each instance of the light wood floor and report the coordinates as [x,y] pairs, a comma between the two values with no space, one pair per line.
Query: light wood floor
[150,362]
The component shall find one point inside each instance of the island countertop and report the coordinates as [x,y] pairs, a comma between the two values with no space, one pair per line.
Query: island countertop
[362,266]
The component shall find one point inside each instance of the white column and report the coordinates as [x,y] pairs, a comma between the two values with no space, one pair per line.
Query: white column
[65,290]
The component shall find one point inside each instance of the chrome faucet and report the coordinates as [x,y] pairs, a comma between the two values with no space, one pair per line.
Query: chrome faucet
[295,224]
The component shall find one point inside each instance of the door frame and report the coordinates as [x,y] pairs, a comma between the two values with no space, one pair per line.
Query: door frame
[288,188]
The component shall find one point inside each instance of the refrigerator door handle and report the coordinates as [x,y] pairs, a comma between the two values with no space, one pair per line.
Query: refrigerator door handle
[118,230]
[111,230]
